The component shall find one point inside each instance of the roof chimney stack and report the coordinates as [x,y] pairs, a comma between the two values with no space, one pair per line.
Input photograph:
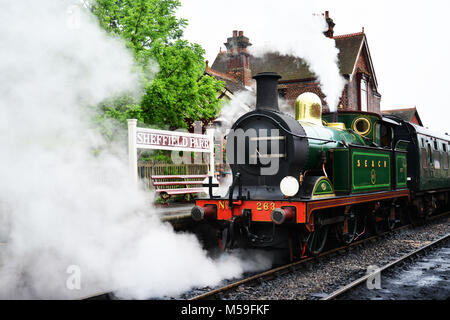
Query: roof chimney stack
[330,32]
[238,58]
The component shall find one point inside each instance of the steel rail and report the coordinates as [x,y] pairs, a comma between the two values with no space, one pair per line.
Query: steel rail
[291,267]
[363,279]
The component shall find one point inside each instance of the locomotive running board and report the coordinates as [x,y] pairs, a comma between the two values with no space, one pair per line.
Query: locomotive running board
[313,205]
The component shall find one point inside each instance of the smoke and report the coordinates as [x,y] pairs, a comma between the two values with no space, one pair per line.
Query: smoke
[72,222]
[241,103]
[303,38]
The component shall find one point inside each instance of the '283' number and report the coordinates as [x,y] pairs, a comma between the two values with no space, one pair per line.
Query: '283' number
[260,206]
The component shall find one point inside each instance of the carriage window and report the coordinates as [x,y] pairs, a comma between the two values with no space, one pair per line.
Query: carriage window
[423,142]
[430,154]
[435,145]
[424,158]
[444,147]
[445,159]
[437,160]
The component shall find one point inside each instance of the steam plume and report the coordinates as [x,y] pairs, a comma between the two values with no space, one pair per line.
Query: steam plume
[303,38]
[61,203]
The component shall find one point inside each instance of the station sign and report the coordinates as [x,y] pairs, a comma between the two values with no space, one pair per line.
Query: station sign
[171,140]
[144,138]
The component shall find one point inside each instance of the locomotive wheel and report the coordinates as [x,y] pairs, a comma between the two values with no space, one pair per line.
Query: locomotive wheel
[390,224]
[346,230]
[316,240]
[416,215]
[392,218]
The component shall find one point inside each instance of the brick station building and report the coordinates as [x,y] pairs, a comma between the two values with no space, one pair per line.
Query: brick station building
[236,66]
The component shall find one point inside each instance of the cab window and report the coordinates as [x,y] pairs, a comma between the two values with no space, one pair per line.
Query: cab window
[385,136]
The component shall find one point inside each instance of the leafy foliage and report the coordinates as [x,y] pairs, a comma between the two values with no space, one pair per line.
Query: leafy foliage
[179,93]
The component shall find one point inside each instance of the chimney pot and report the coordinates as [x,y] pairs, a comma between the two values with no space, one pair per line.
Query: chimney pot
[235,33]
[241,33]
[330,32]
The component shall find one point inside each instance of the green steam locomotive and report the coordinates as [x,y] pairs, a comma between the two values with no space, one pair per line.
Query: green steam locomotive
[339,174]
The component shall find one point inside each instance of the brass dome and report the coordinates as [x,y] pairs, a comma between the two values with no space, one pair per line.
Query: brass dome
[308,108]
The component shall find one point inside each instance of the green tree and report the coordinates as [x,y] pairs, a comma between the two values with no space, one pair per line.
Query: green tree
[179,93]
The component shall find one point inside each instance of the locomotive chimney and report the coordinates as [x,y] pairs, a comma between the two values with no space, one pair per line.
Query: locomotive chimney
[266,91]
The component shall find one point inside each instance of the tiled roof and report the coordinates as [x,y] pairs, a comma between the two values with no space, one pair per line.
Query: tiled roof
[406,114]
[348,46]
[230,83]
[342,36]
[292,68]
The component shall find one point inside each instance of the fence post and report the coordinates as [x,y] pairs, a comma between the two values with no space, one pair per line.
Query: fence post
[132,149]
[210,133]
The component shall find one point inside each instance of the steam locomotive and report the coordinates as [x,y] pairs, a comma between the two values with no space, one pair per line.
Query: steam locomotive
[297,181]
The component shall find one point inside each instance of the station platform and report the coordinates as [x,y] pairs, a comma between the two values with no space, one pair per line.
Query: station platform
[177,214]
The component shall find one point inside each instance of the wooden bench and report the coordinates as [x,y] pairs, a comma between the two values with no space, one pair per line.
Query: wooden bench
[168,185]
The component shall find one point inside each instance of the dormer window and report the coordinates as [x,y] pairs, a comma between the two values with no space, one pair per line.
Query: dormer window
[363,94]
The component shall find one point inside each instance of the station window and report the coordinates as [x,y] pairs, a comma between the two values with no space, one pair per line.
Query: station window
[364,95]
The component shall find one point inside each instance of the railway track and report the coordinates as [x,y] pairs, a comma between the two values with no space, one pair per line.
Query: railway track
[218,293]
[408,257]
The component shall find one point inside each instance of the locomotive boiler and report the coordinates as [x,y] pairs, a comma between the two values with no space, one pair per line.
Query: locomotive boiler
[297,180]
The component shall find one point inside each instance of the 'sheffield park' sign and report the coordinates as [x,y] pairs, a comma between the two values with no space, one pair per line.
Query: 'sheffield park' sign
[163,140]
[143,138]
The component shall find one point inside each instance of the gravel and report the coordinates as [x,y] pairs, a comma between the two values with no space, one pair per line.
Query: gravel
[426,279]
[329,274]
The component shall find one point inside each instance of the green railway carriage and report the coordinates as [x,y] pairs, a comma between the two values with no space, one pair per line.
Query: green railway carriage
[433,159]
[428,157]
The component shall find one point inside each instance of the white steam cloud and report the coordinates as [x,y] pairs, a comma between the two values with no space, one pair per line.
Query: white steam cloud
[61,204]
[303,37]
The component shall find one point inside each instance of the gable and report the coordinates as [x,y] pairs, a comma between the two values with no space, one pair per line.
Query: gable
[361,65]
[349,47]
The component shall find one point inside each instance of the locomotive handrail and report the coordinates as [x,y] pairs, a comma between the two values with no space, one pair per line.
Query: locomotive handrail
[286,130]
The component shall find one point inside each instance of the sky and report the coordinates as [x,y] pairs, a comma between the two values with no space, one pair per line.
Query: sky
[409,41]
